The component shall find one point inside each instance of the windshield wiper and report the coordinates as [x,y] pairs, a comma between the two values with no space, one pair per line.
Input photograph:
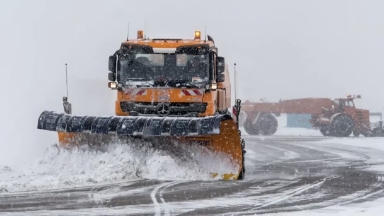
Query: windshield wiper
[138,80]
[186,84]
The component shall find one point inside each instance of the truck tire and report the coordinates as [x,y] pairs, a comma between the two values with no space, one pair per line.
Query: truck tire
[324,130]
[378,132]
[249,128]
[342,125]
[267,124]
[356,133]
[242,173]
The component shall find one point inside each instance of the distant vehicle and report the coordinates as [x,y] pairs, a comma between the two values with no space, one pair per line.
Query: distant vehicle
[338,117]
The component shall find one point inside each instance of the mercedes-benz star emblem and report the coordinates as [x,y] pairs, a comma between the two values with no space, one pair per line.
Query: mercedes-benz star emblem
[163,109]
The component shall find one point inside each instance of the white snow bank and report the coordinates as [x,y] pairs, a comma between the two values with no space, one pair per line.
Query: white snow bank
[74,168]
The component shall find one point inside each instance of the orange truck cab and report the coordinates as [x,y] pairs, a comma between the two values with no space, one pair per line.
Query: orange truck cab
[169,77]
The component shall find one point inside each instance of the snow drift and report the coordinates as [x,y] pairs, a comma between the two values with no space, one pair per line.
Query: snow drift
[81,167]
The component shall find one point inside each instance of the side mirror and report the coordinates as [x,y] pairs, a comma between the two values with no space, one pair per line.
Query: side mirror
[111,76]
[220,77]
[220,64]
[112,64]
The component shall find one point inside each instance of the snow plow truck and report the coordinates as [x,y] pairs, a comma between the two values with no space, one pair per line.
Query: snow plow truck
[168,91]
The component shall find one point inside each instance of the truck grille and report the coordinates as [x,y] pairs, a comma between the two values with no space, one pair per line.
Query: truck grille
[148,108]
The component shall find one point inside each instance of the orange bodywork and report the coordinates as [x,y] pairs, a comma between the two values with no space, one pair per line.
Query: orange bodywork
[228,142]
[172,94]
[216,100]
[360,117]
[66,138]
[167,43]
[304,105]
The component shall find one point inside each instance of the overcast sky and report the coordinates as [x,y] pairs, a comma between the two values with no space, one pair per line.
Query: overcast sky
[283,49]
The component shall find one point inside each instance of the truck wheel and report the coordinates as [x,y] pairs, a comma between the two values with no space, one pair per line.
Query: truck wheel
[324,130]
[242,172]
[249,128]
[225,112]
[341,126]
[267,124]
[378,132]
[356,133]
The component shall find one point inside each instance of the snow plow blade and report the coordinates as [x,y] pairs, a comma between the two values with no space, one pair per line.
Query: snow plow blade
[218,134]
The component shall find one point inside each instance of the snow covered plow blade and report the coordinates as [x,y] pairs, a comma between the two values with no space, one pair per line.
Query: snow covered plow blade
[218,134]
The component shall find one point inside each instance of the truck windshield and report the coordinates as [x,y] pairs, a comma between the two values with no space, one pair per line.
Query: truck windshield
[171,68]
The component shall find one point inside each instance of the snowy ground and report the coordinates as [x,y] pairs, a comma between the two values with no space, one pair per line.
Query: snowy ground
[128,165]
[373,208]
[119,162]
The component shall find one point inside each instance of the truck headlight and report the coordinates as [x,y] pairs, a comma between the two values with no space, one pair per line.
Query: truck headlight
[112,85]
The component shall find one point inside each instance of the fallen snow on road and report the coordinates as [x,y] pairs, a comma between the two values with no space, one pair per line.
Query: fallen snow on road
[71,169]
[286,131]
[365,142]
[371,148]
[77,168]
[373,208]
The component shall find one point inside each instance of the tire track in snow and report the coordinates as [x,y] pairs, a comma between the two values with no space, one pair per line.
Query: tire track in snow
[377,188]
[167,210]
[291,194]
[157,206]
